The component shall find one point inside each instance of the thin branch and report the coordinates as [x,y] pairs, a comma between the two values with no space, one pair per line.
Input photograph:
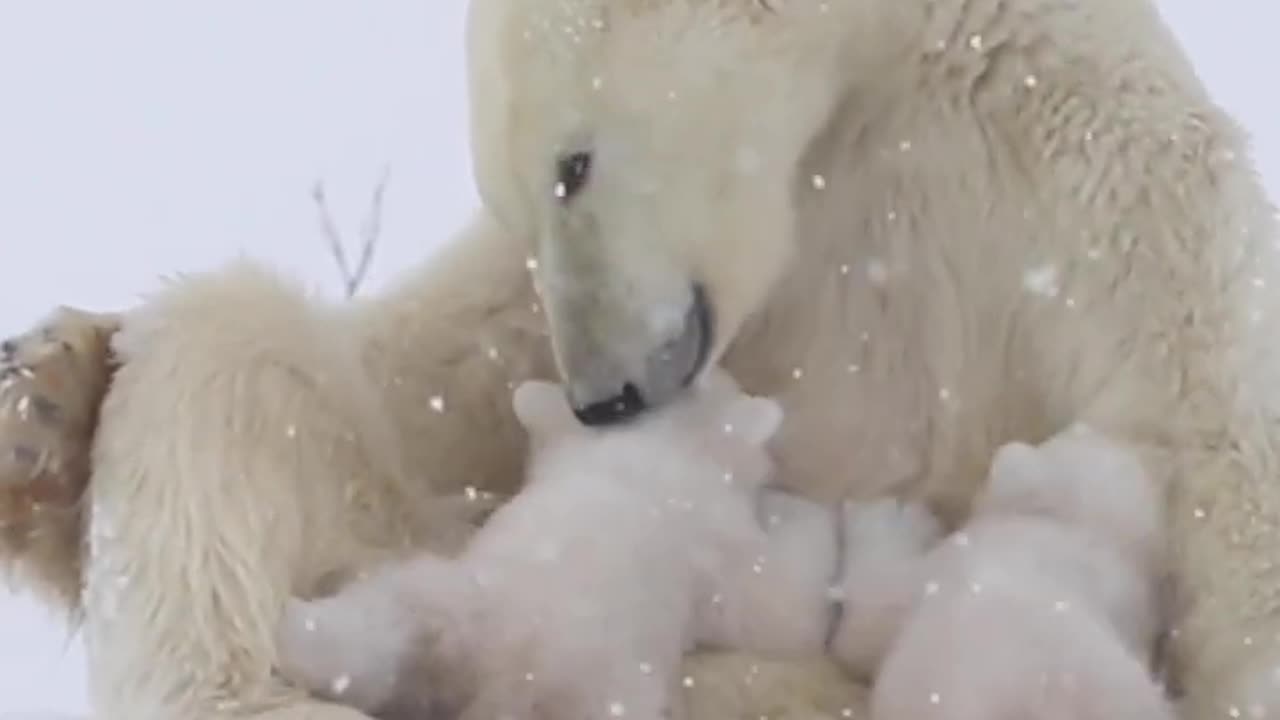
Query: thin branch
[371,229]
[370,234]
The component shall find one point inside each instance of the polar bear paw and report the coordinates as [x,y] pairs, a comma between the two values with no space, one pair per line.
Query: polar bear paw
[52,380]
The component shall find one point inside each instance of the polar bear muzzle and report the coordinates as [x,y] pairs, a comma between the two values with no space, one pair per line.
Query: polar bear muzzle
[604,393]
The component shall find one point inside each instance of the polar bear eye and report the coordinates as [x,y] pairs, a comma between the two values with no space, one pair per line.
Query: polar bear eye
[572,173]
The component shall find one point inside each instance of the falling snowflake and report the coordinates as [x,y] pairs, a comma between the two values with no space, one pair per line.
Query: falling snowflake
[1042,280]
[340,684]
[437,403]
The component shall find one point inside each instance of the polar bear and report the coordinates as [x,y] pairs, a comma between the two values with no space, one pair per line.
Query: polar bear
[578,598]
[927,228]
[1056,576]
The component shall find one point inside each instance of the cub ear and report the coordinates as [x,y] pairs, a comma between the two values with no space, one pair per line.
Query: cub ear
[1017,480]
[542,408]
[717,381]
[755,418]
[1016,462]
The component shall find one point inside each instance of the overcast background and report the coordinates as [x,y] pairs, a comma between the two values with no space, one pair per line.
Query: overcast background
[138,139]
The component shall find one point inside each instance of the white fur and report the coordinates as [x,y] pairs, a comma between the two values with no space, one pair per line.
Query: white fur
[578,598]
[1043,607]
[1029,213]
[962,223]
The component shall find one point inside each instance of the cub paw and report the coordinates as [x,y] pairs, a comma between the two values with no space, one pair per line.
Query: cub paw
[890,523]
[325,647]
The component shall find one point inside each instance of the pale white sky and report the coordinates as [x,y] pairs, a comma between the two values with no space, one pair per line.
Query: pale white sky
[145,137]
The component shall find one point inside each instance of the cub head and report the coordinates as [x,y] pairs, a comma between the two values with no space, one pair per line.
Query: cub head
[1083,478]
[650,151]
[715,424]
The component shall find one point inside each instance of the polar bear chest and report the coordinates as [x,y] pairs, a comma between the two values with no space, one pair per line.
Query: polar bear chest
[919,340]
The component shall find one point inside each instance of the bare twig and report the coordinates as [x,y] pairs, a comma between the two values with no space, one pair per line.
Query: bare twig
[370,233]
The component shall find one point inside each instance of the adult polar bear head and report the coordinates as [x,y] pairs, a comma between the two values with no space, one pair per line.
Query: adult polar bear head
[651,150]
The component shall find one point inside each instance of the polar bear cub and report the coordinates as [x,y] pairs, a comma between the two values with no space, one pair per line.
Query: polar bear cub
[1043,606]
[626,547]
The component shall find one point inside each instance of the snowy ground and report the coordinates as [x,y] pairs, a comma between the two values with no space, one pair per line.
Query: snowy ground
[144,137]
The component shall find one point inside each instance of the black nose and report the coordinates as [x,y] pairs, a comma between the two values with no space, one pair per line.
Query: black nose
[668,370]
[626,405]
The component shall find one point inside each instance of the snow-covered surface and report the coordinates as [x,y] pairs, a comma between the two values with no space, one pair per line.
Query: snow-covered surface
[145,137]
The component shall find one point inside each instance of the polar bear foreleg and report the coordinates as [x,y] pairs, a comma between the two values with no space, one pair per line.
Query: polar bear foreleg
[229,447]
[1225,525]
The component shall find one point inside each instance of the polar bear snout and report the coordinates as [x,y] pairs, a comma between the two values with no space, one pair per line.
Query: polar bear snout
[606,387]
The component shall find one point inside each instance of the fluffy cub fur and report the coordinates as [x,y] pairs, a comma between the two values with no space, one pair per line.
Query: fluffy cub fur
[1053,581]
[577,600]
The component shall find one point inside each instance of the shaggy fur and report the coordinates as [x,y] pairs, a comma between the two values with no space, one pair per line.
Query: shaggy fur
[926,228]
[1055,578]
[579,597]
